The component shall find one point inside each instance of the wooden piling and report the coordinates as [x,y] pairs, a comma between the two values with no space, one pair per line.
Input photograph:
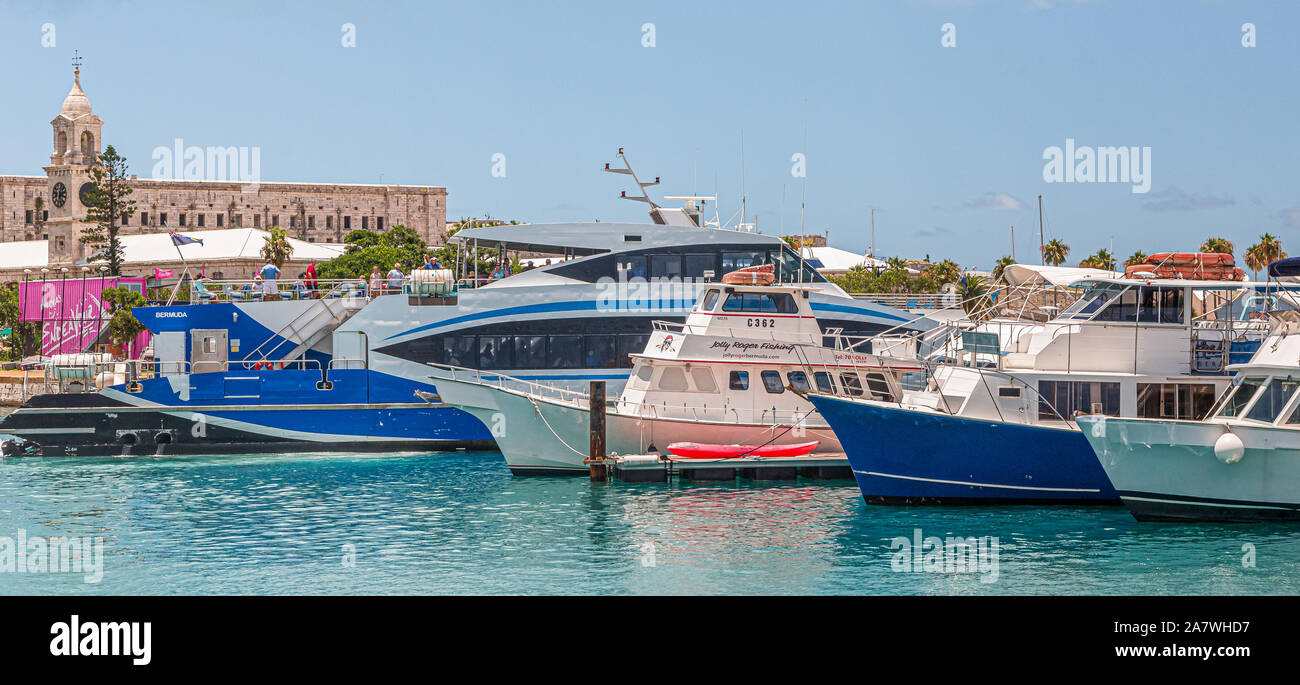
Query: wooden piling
[596,407]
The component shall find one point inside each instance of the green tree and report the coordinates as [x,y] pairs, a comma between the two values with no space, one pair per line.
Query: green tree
[24,336]
[107,203]
[1055,252]
[1102,259]
[975,293]
[276,247]
[368,249]
[1263,253]
[1001,266]
[1137,257]
[1218,245]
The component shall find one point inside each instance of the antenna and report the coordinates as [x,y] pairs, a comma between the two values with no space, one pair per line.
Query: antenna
[627,169]
[742,179]
[76,60]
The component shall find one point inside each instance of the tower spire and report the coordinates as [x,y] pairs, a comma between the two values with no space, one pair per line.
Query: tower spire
[76,67]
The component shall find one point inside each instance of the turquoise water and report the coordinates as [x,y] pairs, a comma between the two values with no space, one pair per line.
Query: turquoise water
[459,523]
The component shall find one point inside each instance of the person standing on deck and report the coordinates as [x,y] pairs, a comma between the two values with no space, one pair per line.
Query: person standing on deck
[269,273]
[395,278]
[376,281]
[310,276]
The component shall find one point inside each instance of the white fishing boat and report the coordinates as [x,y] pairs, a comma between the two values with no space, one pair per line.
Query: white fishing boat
[733,373]
[1242,463]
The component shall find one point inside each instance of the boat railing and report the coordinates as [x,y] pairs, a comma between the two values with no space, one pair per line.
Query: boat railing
[504,382]
[252,290]
[719,413]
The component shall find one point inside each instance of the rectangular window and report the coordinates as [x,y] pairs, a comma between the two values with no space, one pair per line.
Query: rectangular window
[824,382]
[459,350]
[798,381]
[220,219]
[1187,401]
[494,351]
[347,223]
[239,221]
[181,219]
[379,223]
[633,265]
[665,266]
[203,220]
[879,387]
[739,380]
[329,222]
[697,264]
[257,221]
[851,384]
[311,222]
[530,351]
[365,223]
[275,219]
[565,352]
[162,219]
[29,217]
[1066,398]
[601,352]
[703,379]
[739,260]
[144,218]
[628,344]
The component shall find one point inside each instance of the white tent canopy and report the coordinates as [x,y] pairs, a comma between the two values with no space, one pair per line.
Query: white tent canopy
[835,259]
[1062,276]
[228,243]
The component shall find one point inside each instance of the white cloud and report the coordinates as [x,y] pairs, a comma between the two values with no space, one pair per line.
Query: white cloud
[996,201]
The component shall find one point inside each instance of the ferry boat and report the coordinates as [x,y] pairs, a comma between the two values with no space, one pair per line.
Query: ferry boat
[995,422]
[1241,463]
[732,374]
[233,373]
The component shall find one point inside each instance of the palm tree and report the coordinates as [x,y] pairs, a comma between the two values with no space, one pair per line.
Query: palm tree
[974,293]
[1055,252]
[1263,253]
[1002,264]
[277,248]
[1103,259]
[1137,257]
[1218,245]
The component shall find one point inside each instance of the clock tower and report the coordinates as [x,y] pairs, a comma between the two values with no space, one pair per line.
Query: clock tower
[76,144]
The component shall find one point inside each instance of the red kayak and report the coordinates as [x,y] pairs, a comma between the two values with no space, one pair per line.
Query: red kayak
[699,450]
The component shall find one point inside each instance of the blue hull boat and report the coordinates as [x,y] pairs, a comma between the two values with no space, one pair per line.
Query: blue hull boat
[904,456]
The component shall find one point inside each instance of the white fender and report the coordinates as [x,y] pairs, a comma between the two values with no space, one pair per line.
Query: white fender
[1229,449]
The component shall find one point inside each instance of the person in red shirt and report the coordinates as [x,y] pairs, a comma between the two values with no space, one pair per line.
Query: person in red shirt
[310,280]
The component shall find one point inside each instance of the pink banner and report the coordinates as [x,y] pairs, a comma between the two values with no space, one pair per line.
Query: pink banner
[71,313]
[160,274]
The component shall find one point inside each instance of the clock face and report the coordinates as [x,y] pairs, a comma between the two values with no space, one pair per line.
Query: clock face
[59,194]
[85,190]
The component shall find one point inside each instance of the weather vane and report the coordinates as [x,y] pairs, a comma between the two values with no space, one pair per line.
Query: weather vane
[76,60]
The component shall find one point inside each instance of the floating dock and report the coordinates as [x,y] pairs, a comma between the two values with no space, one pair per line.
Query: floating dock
[660,468]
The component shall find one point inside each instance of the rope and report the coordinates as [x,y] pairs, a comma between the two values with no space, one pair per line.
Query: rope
[546,423]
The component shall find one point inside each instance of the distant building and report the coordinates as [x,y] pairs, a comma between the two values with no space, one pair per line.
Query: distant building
[313,212]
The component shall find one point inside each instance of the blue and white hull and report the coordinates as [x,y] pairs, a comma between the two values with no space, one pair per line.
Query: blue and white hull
[908,456]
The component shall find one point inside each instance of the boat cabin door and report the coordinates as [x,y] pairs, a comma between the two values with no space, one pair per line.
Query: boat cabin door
[209,350]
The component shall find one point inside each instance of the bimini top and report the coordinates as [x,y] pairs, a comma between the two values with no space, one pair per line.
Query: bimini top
[583,239]
[1178,283]
[1285,267]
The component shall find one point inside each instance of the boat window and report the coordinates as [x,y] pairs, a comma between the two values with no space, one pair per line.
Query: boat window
[644,372]
[460,350]
[879,387]
[824,382]
[772,382]
[1067,397]
[1121,308]
[631,344]
[1190,401]
[710,299]
[761,303]
[530,351]
[665,266]
[209,345]
[703,379]
[697,264]
[799,381]
[739,380]
[1271,401]
[1092,300]
[672,379]
[739,260]
[633,265]
[851,384]
[494,352]
[600,352]
[565,352]
[1160,305]
[1240,397]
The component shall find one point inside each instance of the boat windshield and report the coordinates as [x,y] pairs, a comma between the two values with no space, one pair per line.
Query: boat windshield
[1240,396]
[1276,394]
[1092,300]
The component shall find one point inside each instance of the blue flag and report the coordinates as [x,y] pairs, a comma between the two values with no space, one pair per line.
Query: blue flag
[178,239]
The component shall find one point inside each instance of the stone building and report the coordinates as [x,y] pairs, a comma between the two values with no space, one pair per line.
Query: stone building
[48,208]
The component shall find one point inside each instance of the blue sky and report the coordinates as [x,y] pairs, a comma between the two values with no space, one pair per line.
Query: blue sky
[946,143]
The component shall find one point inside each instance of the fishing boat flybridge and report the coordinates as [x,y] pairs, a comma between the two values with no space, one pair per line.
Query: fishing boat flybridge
[996,420]
[339,372]
[732,374]
[1241,462]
